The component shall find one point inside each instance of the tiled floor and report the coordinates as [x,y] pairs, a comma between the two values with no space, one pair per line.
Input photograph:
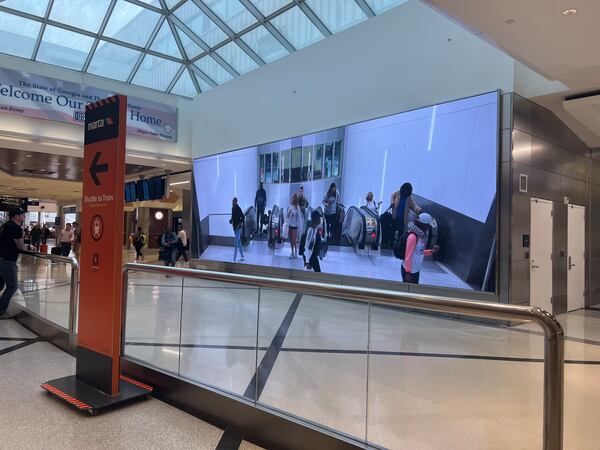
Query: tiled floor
[341,261]
[32,420]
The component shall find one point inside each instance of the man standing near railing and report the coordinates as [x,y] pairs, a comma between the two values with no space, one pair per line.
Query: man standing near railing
[260,202]
[11,243]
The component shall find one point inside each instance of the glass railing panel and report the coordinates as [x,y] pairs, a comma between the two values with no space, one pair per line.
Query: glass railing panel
[434,381]
[219,335]
[317,360]
[153,319]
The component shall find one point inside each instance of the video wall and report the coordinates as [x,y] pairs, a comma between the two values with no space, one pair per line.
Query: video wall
[447,152]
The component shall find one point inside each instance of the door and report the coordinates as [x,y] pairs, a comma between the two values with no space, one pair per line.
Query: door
[576,257]
[540,260]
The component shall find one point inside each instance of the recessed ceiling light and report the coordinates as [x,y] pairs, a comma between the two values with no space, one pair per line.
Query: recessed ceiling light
[569,12]
[29,156]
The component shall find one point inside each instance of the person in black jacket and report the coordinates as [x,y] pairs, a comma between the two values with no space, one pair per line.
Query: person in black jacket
[237,220]
[260,202]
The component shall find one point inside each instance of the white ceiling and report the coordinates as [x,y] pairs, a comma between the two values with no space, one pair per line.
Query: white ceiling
[563,48]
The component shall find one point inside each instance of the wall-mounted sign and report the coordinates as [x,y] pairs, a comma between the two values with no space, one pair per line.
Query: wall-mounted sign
[41,97]
[6,203]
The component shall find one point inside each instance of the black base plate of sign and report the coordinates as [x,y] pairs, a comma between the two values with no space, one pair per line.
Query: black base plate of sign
[85,398]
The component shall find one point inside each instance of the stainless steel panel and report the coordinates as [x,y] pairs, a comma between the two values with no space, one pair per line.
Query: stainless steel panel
[521,212]
[504,243]
[575,166]
[519,169]
[521,147]
[595,176]
[595,234]
[545,125]
[505,145]
[595,152]
[595,195]
[571,141]
[595,281]
[506,111]
[559,304]
[505,200]
[546,185]
[519,281]
[518,252]
[547,156]
[503,281]
[559,277]
[569,189]
[505,181]
[522,113]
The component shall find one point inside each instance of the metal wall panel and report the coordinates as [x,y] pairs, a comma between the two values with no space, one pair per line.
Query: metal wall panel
[546,185]
[575,166]
[521,147]
[505,145]
[595,235]
[595,281]
[595,178]
[519,169]
[522,110]
[559,304]
[547,156]
[519,280]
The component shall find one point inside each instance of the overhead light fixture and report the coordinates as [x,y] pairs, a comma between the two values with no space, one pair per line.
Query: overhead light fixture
[569,12]
[179,182]
[29,156]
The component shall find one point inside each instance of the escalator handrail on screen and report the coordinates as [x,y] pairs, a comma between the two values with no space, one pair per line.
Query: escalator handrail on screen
[274,210]
[377,217]
[355,241]
[247,235]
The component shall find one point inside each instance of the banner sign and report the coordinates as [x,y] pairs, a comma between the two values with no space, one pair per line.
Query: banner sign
[48,98]
[100,293]
[6,203]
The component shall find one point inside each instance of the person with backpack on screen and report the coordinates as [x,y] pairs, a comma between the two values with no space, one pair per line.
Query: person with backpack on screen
[312,243]
[402,203]
[415,240]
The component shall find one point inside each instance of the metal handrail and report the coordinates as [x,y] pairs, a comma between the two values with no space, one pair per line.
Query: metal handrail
[554,335]
[74,290]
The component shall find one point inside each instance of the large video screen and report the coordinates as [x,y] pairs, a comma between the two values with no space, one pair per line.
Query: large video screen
[409,197]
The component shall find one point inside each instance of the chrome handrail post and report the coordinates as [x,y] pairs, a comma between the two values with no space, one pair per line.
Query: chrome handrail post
[74,296]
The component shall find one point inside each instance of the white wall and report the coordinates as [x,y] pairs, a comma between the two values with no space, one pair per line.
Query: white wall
[394,62]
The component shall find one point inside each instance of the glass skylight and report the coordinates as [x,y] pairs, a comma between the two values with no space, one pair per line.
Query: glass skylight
[184,47]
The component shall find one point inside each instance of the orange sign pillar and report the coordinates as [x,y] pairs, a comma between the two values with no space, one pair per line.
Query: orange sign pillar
[100,292]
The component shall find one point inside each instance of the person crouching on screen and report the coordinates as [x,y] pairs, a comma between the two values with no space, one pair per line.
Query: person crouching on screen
[313,243]
[416,241]
[237,220]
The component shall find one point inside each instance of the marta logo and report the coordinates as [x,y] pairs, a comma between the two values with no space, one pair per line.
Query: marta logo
[100,123]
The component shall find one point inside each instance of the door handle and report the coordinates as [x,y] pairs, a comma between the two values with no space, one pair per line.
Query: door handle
[570,265]
[533,266]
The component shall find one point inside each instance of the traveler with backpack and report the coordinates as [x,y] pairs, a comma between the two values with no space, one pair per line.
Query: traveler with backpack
[237,220]
[403,202]
[312,243]
[293,220]
[168,252]
[331,202]
[415,241]
[138,242]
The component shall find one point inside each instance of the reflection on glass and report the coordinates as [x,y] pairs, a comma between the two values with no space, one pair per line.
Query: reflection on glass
[113,61]
[164,42]
[233,13]
[275,164]
[200,24]
[328,160]
[184,86]
[267,7]
[213,69]
[237,58]
[285,166]
[307,154]
[296,28]
[131,23]
[337,158]
[191,48]
[337,15]
[296,164]
[34,7]
[80,13]
[262,169]
[156,73]
[64,48]
[318,165]
[18,35]
[268,174]
[264,44]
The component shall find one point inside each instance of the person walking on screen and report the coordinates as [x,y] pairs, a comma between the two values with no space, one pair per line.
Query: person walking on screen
[416,242]
[293,220]
[313,243]
[260,202]
[237,220]
[403,204]
[11,243]
[331,201]
[371,204]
